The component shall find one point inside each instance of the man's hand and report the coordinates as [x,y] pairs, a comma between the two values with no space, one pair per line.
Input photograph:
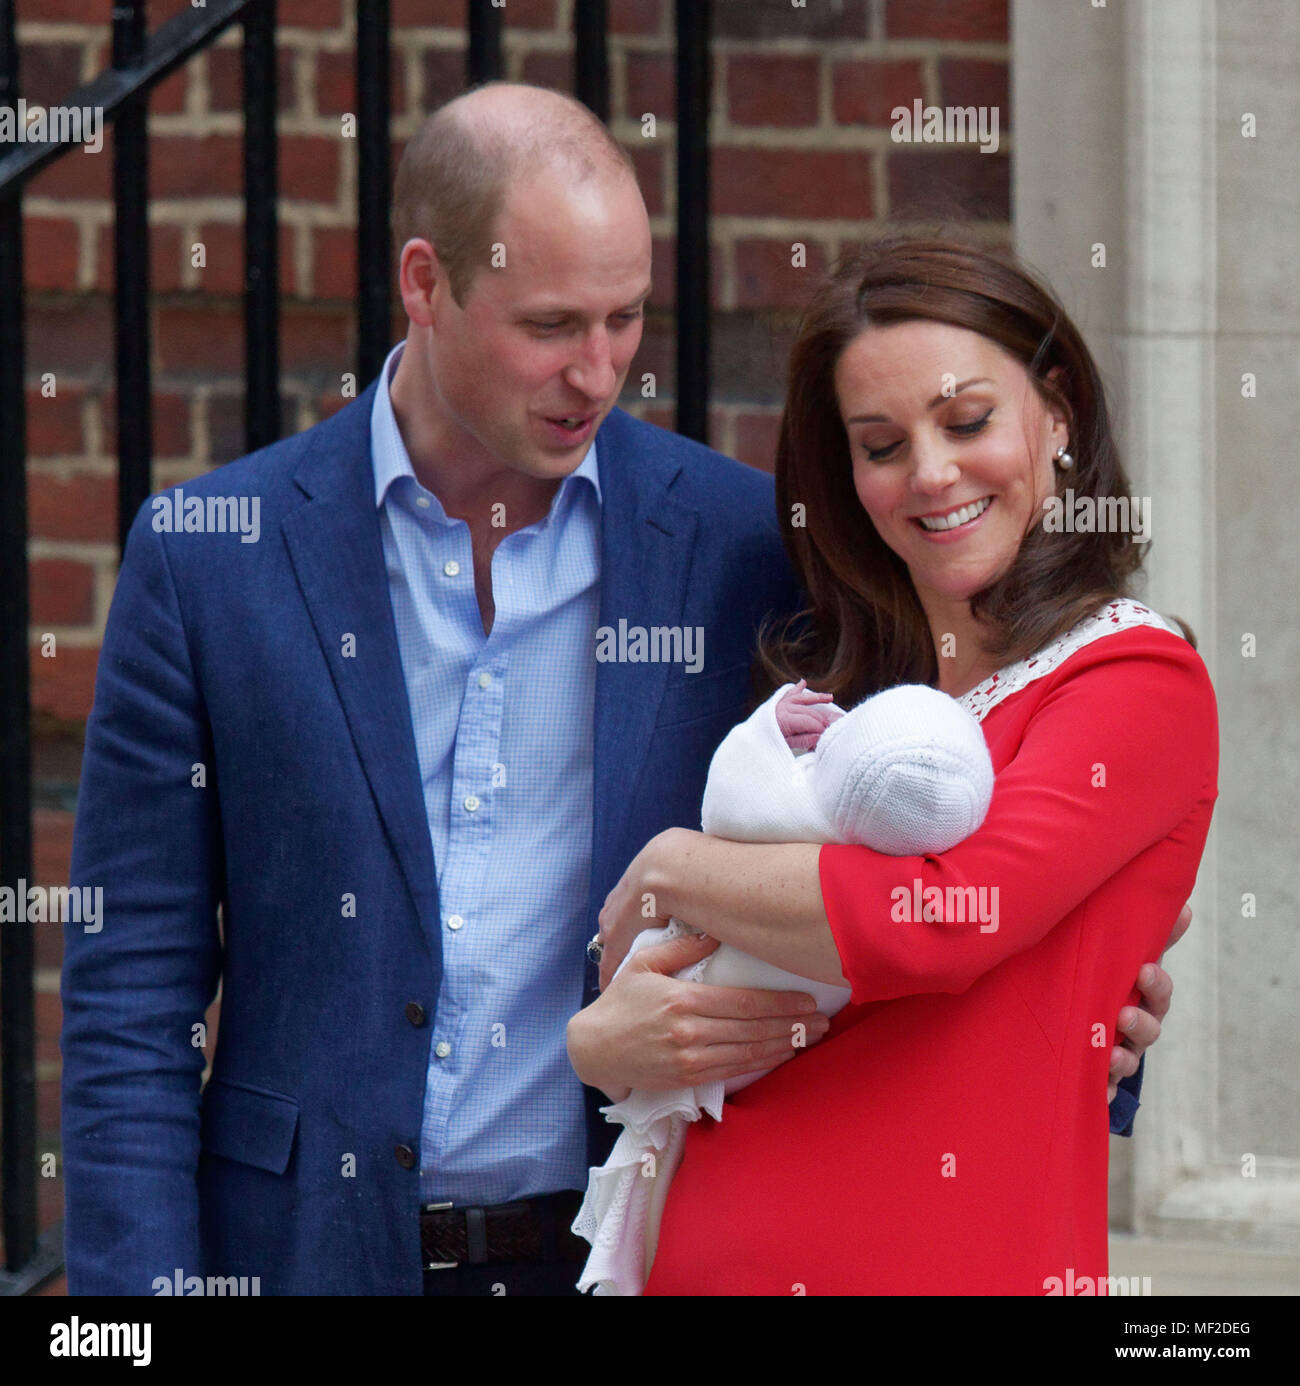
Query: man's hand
[1141,1026]
[649,1030]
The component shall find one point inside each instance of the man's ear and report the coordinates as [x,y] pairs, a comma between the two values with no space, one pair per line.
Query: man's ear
[420,275]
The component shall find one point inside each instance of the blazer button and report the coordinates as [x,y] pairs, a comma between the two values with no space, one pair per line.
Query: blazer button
[405,1156]
[415,1013]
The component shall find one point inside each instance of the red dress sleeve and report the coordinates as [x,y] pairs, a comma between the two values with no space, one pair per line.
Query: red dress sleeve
[1119,746]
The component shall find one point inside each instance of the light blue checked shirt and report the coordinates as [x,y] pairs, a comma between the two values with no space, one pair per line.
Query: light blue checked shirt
[503,731]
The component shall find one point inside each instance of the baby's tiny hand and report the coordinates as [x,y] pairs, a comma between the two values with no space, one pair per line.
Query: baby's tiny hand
[804,715]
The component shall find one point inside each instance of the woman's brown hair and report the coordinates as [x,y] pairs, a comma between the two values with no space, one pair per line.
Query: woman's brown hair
[865,629]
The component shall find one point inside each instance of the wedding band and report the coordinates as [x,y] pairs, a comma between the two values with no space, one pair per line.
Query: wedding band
[595,949]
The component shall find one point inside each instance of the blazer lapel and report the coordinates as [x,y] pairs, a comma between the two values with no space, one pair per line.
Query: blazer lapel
[646,543]
[335,545]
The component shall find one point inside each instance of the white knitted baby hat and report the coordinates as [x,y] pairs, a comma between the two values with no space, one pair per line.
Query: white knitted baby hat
[908,766]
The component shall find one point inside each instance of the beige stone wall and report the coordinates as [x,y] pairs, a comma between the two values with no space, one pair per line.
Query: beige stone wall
[1134,131]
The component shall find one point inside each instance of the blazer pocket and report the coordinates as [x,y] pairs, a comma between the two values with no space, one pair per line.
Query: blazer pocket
[695,696]
[251,1125]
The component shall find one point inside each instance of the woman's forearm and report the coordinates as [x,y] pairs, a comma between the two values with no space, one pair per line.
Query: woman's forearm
[764,898]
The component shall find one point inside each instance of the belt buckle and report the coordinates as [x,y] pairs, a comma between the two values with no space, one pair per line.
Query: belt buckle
[439,1265]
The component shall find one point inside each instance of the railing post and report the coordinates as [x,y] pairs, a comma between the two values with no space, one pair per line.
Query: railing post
[692,20]
[374,238]
[484,62]
[591,49]
[261,244]
[131,276]
[17,1003]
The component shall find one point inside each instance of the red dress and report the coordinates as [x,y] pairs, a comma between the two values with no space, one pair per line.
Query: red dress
[949,1135]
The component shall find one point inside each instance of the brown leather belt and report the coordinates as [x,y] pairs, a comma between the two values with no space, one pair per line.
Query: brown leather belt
[534,1229]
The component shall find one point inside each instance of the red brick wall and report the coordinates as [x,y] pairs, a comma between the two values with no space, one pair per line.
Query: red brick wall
[801,152]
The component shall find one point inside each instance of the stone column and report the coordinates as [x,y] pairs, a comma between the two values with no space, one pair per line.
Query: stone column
[1133,133]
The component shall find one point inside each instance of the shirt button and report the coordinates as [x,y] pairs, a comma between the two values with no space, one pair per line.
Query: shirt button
[442,1049]
[405,1156]
[415,1013]
[455,922]
[451,567]
[471,803]
[485,680]
[422,502]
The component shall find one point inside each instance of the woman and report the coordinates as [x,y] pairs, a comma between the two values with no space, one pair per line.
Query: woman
[940,405]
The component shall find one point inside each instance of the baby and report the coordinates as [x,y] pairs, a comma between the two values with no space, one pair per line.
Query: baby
[905,772]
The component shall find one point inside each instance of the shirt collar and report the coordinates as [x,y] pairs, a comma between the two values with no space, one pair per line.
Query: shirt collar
[391,460]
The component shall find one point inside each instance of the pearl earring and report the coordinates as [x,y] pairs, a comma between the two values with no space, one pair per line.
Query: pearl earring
[1063,459]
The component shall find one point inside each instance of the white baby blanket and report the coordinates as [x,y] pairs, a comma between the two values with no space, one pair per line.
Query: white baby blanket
[905,772]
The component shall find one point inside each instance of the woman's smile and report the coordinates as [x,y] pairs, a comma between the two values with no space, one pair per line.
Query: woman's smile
[947,526]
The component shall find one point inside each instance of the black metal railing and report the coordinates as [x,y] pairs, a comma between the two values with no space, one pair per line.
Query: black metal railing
[140,61]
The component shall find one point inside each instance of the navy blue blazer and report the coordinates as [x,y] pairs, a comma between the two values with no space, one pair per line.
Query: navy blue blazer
[238,757]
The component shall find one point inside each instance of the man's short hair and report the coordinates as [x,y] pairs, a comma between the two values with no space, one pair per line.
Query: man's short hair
[454,172]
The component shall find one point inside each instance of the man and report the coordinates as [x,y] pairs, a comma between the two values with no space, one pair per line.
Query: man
[378,740]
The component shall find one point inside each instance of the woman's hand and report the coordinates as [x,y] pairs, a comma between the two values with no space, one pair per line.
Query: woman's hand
[631,906]
[653,1032]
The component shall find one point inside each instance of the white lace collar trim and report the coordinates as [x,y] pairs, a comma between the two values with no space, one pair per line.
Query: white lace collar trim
[1121,614]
